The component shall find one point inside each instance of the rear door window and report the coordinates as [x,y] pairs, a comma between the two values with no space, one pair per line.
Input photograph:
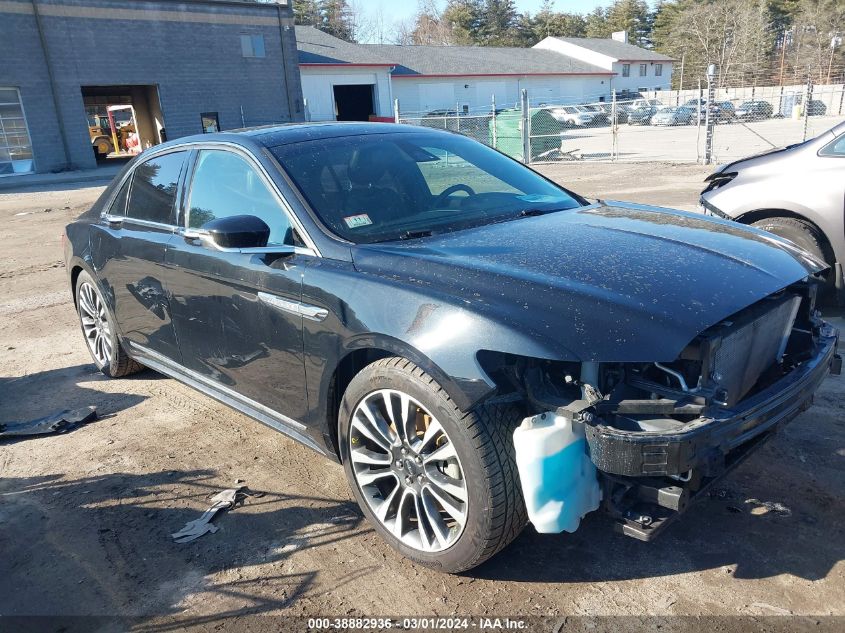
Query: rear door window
[154,185]
[118,206]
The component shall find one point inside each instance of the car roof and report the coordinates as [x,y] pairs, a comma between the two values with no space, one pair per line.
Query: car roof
[282,134]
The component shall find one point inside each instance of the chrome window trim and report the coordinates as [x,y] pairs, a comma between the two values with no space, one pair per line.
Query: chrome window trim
[265,176]
[171,228]
[105,215]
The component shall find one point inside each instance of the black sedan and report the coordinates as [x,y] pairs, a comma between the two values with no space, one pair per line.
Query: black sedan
[477,345]
[754,111]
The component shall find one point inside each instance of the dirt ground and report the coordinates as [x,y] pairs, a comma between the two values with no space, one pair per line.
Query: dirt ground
[86,517]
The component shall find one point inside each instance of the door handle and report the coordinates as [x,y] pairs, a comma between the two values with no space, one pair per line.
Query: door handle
[305,310]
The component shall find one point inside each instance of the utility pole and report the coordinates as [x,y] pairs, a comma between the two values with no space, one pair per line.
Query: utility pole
[833,42]
[808,96]
[526,132]
[494,132]
[614,129]
[782,55]
[709,121]
[681,84]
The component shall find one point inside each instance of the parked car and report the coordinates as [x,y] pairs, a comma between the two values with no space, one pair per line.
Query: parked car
[720,111]
[754,111]
[817,108]
[673,115]
[646,103]
[476,344]
[641,115]
[622,111]
[573,116]
[600,115]
[797,192]
[696,104]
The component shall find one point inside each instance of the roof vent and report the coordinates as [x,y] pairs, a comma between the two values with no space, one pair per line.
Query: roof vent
[620,36]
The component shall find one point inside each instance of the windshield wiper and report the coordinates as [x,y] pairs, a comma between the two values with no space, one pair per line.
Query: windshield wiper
[525,213]
[410,235]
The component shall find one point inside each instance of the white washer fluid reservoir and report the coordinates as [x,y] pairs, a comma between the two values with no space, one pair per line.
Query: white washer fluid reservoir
[559,482]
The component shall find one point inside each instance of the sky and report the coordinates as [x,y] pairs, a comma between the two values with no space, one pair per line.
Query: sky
[397,10]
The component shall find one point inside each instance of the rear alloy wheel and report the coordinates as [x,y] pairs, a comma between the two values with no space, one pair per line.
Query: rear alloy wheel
[440,485]
[99,331]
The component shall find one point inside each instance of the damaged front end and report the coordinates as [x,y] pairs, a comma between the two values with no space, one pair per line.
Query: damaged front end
[660,433]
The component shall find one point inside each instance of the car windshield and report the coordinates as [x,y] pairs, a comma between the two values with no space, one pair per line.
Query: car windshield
[380,187]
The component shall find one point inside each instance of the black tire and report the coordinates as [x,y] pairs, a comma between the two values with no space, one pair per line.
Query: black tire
[119,364]
[100,143]
[808,237]
[484,442]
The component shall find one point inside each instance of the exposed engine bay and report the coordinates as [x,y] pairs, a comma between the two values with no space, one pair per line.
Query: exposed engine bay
[660,433]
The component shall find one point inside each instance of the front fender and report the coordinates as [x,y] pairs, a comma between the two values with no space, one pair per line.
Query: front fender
[439,332]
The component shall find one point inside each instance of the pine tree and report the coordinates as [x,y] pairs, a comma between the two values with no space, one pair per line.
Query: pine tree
[336,19]
[498,23]
[307,12]
[596,23]
[464,20]
[633,17]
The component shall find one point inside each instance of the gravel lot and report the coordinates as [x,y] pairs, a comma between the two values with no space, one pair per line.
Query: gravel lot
[85,517]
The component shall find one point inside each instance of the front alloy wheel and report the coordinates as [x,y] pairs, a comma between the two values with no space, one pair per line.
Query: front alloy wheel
[439,484]
[408,470]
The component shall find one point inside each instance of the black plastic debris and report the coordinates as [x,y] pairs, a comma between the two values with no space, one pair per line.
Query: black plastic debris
[55,423]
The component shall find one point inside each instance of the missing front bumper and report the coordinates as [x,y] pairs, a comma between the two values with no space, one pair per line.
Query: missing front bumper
[650,479]
[703,443]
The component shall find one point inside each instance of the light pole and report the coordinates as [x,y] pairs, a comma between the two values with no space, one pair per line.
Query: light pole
[709,121]
[835,41]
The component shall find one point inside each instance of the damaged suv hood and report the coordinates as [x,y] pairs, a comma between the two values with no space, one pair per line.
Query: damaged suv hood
[609,282]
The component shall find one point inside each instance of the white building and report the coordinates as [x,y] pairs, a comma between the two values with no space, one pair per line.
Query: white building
[468,78]
[635,69]
[344,81]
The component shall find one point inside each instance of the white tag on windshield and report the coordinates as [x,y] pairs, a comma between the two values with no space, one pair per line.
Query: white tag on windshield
[356,221]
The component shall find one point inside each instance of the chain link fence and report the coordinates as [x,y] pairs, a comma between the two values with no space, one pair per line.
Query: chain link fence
[669,126]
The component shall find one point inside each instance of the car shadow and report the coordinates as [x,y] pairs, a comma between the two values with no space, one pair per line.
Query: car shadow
[37,395]
[102,545]
[778,513]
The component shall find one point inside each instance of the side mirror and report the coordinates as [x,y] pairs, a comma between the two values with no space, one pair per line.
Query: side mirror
[237,231]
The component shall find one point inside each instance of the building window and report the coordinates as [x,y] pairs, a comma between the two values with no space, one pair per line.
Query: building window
[626,70]
[15,144]
[210,122]
[658,70]
[643,70]
[252,46]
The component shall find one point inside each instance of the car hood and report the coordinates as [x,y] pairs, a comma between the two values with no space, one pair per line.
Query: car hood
[608,282]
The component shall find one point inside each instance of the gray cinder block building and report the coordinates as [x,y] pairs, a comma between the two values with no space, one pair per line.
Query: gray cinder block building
[82,79]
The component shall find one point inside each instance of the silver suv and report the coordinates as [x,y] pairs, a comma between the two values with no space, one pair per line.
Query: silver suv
[797,192]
